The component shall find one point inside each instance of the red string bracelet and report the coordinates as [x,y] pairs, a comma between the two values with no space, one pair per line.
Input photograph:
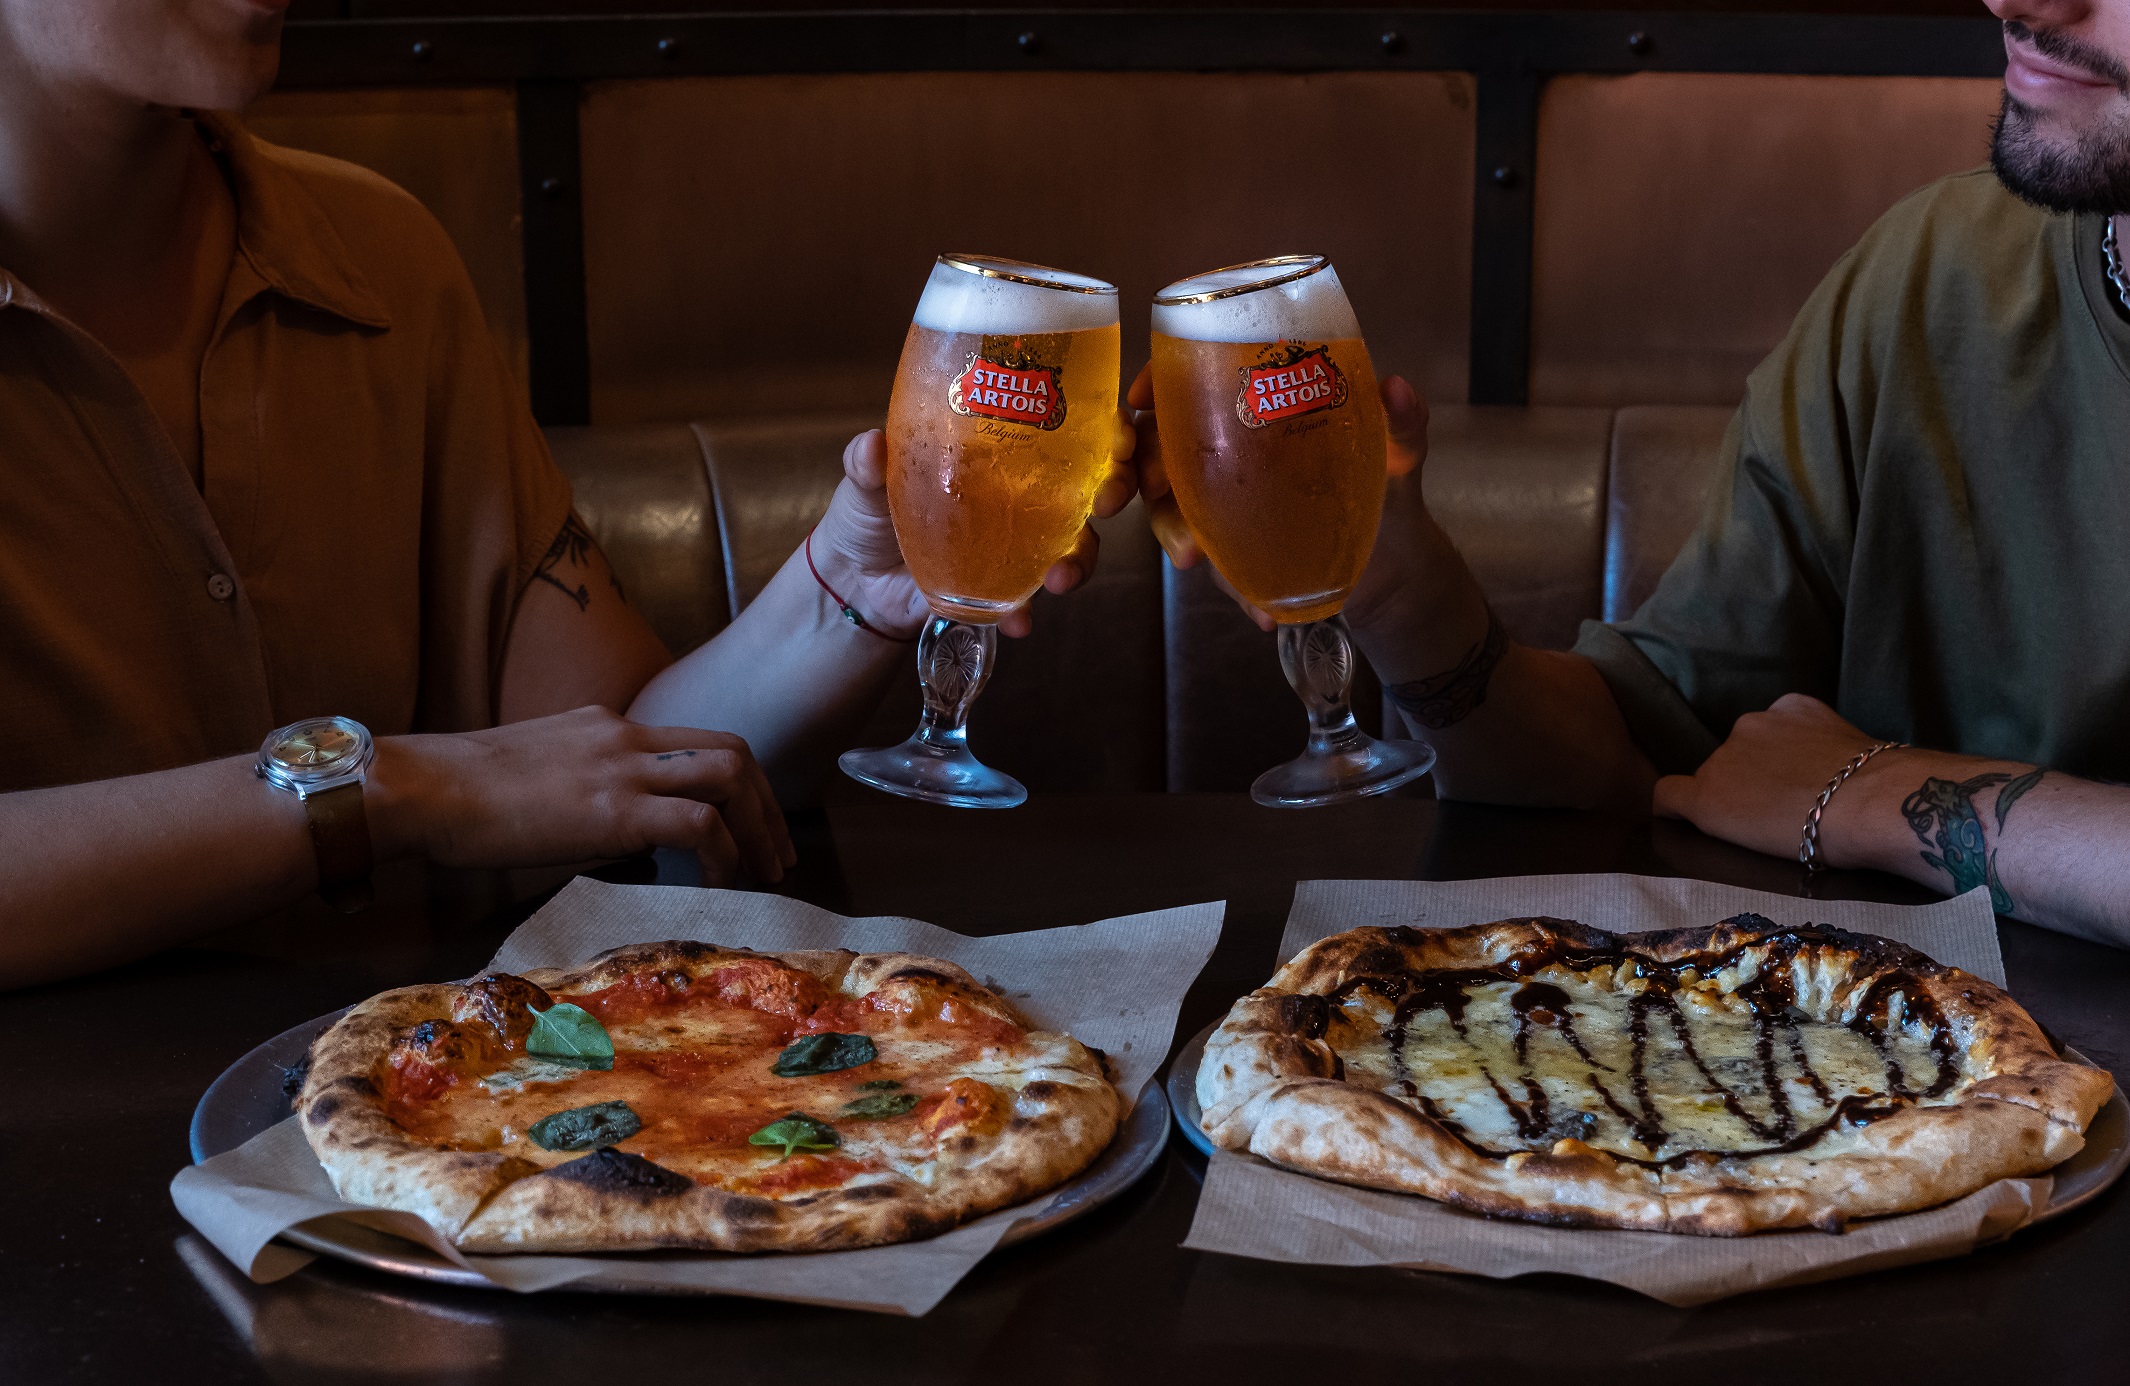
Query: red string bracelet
[850,613]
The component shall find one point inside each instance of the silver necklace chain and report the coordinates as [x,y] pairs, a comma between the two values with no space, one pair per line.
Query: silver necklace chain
[2115,265]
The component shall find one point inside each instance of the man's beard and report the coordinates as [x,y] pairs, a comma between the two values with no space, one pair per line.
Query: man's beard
[2090,174]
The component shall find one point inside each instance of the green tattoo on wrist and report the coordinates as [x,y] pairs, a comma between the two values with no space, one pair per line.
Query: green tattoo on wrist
[1942,815]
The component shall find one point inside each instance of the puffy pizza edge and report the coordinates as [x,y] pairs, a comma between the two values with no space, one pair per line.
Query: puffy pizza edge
[1028,1124]
[1272,1086]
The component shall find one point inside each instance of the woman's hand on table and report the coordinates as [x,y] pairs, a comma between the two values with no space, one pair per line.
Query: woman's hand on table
[856,553]
[1405,414]
[577,786]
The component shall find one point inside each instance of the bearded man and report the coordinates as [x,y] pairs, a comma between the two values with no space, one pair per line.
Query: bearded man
[1912,577]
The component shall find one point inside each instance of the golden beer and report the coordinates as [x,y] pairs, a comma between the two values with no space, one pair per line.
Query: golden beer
[1275,452]
[996,445]
[1272,435]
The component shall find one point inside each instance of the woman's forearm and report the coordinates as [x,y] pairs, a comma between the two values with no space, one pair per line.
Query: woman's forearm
[94,874]
[791,675]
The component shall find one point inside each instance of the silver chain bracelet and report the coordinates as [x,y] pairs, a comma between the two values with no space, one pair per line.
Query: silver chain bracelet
[1808,850]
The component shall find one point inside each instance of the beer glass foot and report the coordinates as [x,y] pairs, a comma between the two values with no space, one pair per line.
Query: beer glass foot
[1355,769]
[935,775]
[1341,762]
[934,765]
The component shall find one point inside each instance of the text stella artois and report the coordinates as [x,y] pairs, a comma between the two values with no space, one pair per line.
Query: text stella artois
[1293,379]
[1025,394]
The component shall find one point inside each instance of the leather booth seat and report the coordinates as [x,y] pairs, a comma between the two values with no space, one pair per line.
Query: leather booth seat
[1148,678]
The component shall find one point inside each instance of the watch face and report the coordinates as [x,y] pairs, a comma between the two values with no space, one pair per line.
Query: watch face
[314,750]
[316,747]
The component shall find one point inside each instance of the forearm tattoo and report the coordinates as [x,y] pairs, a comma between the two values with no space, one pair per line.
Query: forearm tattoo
[1942,815]
[1445,699]
[572,546]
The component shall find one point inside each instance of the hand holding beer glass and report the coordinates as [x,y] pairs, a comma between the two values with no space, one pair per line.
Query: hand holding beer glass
[999,434]
[1272,436]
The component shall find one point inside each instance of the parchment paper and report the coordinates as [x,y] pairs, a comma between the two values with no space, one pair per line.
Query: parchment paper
[1115,985]
[1251,1208]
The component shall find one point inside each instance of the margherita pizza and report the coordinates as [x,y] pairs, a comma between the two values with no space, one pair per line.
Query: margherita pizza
[685,1095]
[1713,1081]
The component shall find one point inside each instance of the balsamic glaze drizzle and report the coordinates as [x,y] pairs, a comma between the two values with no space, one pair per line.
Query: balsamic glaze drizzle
[1770,995]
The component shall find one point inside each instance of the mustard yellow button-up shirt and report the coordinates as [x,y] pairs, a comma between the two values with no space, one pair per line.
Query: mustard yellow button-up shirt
[374,496]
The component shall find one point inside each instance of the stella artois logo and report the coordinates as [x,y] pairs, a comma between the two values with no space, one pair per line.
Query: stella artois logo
[1290,380]
[1008,385]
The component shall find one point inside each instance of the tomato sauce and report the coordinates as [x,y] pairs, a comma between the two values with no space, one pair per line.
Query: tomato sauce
[409,1078]
[966,1103]
[803,1171]
[699,1102]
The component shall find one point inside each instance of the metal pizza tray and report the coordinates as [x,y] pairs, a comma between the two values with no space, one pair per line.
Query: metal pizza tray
[2079,1180]
[248,1098]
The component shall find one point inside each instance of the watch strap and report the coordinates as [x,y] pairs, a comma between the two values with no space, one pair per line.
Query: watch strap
[340,832]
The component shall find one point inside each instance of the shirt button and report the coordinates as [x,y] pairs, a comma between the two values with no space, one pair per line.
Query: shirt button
[220,587]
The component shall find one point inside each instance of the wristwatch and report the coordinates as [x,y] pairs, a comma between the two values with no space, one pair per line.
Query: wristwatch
[323,761]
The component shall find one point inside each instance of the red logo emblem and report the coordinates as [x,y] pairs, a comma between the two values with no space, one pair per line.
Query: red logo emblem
[1299,380]
[1026,395]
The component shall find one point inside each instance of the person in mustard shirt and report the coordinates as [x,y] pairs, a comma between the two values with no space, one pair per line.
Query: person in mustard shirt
[1912,584]
[260,464]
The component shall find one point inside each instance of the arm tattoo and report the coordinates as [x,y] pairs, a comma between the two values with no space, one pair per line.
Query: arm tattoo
[2009,795]
[572,546]
[1445,699]
[674,755]
[1942,815]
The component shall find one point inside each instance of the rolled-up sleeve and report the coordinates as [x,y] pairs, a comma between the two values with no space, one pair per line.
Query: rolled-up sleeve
[1751,608]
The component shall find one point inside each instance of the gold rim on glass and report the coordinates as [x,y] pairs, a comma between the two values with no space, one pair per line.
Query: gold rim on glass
[1305,265]
[993,267]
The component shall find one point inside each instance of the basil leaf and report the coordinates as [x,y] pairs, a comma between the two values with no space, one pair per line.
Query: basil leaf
[797,1132]
[586,1128]
[824,1054]
[571,1035]
[880,1084]
[880,1105]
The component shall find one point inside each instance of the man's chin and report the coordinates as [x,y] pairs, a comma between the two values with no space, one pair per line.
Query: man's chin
[2087,172]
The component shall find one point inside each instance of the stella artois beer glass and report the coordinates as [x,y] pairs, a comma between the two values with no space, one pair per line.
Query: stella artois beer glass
[1272,433]
[998,436]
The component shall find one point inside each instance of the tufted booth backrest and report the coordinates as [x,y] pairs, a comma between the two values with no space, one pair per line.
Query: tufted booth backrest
[1149,678]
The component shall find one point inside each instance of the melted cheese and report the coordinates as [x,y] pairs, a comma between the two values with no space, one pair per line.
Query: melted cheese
[1468,1070]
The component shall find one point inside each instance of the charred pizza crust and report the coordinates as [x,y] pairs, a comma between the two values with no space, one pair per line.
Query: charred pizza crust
[1714,1081]
[1012,1113]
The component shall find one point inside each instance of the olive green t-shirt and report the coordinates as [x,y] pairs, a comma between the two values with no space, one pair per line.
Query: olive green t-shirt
[1922,515]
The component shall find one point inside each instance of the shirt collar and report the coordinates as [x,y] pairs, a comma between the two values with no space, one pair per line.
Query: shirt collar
[282,232]
[285,235]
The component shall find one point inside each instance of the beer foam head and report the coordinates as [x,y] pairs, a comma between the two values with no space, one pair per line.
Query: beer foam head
[961,296]
[1310,305]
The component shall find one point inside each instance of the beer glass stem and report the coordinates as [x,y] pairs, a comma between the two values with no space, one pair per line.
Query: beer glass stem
[1318,659]
[1341,762]
[953,664]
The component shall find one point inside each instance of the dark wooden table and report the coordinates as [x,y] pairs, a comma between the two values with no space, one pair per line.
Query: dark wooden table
[103,1282]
